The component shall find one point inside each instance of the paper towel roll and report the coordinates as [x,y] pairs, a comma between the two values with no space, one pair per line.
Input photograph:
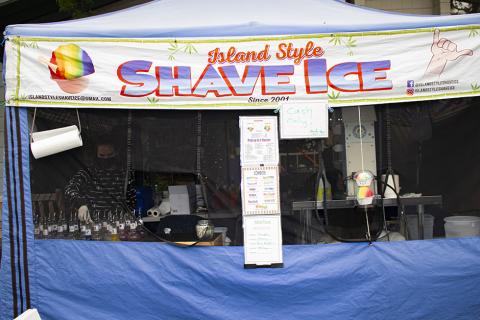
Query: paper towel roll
[154,212]
[389,192]
[49,142]
[164,207]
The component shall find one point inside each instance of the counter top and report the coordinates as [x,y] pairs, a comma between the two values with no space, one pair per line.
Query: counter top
[350,203]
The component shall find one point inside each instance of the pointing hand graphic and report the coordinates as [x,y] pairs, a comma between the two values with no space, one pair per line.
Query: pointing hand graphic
[443,50]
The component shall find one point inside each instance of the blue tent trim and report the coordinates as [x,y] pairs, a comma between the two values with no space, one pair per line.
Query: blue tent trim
[435,279]
[23,137]
[17,228]
[9,291]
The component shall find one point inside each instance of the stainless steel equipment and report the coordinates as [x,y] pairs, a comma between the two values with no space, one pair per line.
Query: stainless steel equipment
[353,148]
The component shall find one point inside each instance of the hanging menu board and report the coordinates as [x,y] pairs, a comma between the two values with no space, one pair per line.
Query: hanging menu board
[262,241]
[259,140]
[262,229]
[304,120]
[260,190]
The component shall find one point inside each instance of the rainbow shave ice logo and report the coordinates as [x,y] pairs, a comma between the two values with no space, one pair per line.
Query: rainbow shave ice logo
[69,66]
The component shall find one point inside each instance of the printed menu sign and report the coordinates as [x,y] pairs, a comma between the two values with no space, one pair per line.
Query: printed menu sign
[259,155]
[262,240]
[260,190]
[259,140]
[304,120]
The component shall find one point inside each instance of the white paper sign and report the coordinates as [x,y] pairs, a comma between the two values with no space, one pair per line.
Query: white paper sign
[304,120]
[262,240]
[260,190]
[259,140]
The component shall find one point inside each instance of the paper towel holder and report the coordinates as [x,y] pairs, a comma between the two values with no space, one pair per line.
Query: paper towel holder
[55,134]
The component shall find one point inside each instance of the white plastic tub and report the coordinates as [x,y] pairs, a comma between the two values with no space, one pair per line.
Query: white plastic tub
[412,226]
[462,226]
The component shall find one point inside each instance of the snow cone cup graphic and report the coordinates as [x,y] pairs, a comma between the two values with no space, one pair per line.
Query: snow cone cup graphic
[364,187]
[73,86]
[365,195]
[69,66]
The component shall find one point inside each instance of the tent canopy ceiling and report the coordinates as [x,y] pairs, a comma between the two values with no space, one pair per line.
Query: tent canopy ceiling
[213,18]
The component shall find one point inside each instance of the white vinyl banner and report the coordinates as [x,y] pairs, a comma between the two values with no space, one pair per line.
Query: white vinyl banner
[251,72]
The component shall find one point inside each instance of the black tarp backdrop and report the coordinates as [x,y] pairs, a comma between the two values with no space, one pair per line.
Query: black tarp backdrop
[436,151]
[53,172]
[164,150]
[164,142]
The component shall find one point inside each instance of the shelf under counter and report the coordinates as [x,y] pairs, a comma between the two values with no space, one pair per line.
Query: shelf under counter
[351,203]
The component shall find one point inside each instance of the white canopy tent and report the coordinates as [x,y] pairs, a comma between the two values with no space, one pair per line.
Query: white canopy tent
[127,57]
[215,18]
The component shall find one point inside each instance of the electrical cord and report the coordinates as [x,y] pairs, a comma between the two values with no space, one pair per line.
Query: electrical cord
[389,172]
[377,235]
[325,209]
[399,205]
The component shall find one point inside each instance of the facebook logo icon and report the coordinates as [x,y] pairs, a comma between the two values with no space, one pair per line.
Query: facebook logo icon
[410,83]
